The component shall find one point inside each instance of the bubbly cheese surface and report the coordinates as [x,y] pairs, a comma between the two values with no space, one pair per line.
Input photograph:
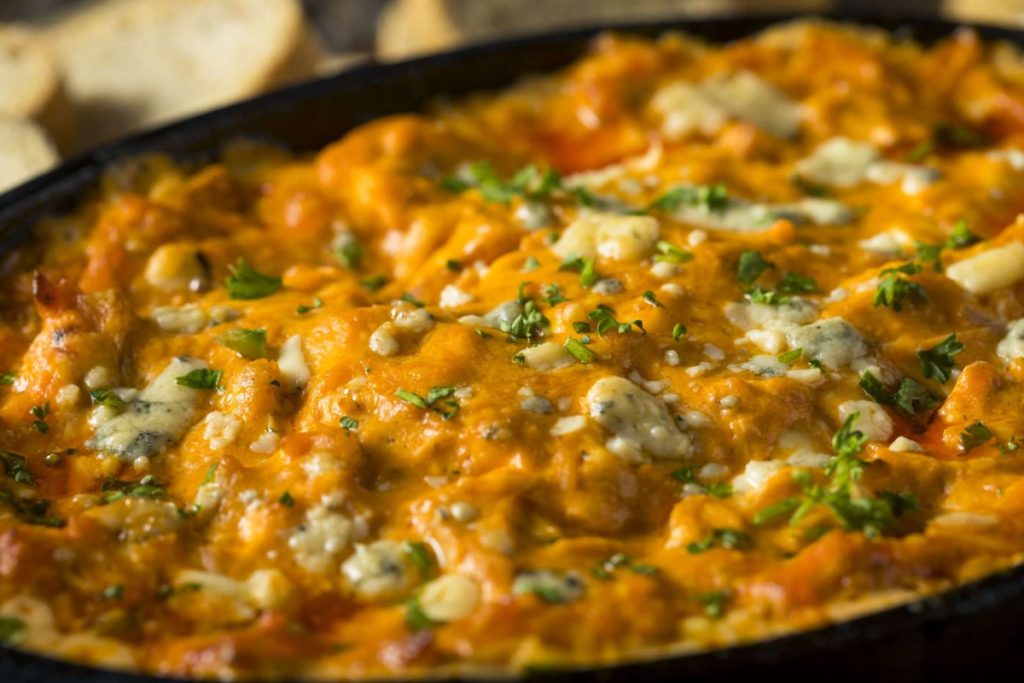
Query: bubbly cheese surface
[683,346]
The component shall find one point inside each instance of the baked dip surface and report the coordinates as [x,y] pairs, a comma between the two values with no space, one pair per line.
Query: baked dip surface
[684,346]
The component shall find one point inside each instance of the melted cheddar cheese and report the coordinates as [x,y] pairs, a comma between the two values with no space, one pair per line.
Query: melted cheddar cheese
[683,346]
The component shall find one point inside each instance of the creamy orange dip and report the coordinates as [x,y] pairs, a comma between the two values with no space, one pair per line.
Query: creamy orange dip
[684,346]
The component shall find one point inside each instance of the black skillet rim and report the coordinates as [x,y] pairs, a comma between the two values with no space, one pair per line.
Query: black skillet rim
[61,188]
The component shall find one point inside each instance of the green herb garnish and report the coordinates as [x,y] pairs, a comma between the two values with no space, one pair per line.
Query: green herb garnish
[246,283]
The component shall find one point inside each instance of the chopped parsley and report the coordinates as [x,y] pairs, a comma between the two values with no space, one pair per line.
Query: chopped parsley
[527,324]
[937,362]
[113,592]
[553,295]
[606,569]
[438,399]
[604,318]
[7,379]
[750,267]
[15,467]
[730,539]
[530,264]
[415,618]
[707,197]
[349,254]
[961,236]
[246,283]
[649,297]
[106,398]
[930,253]
[894,288]
[976,434]
[147,487]
[373,283]
[200,378]
[790,356]
[587,268]
[530,182]
[303,308]
[246,343]
[579,351]
[669,253]
[716,490]
[910,397]
[759,295]
[287,499]
[41,413]
[349,424]
[794,283]
[420,555]
[870,515]
[678,331]
[33,511]
[714,603]
[408,298]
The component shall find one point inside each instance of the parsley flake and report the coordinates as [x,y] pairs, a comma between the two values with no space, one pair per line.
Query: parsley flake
[244,282]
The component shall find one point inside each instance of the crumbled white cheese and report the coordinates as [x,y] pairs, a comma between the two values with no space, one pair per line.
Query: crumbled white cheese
[450,597]
[891,243]
[292,363]
[696,238]
[547,356]
[98,378]
[761,365]
[833,342]
[841,162]
[672,357]
[1011,346]
[610,235]
[174,268]
[749,97]
[533,215]
[379,570]
[755,475]
[221,429]
[268,589]
[663,270]
[187,319]
[749,316]
[874,423]
[464,512]
[638,420]
[68,395]
[989,270]
[158,417]
[965,519]
[1010,155]
[409,318]
[902,444]
[685,109]
[322,538]
[913,179]
[837,162]
[453,297]
[568,425]
[713,352]
[383,342]
[266,443]
[699,369]
[607,286]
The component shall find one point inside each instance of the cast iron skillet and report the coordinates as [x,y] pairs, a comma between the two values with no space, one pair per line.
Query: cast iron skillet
[978,628]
